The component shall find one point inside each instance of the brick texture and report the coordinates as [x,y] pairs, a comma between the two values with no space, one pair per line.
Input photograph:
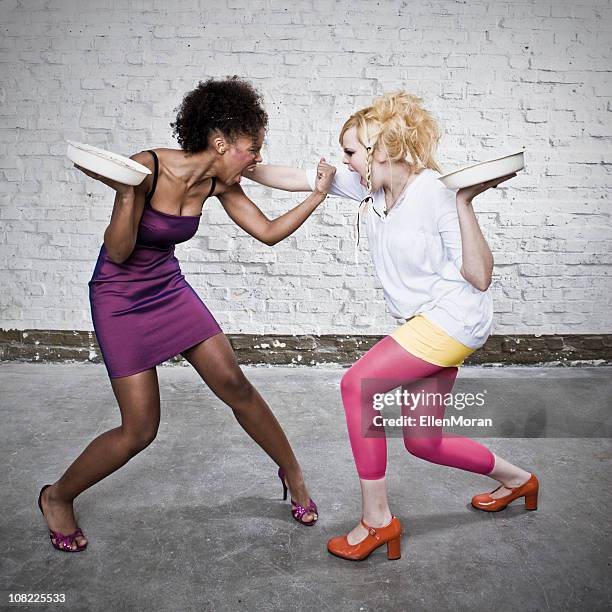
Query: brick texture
[498,75]
[47,346]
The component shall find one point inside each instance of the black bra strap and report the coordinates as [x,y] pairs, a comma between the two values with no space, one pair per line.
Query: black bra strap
[212,189]
[155,172]
[149,195]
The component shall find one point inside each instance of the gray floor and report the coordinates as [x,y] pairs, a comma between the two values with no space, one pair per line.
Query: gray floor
[196,522]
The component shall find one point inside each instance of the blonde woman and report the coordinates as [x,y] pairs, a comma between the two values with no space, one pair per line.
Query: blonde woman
[435,268]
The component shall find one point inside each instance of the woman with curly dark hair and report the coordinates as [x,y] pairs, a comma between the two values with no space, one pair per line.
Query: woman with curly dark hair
[144,311]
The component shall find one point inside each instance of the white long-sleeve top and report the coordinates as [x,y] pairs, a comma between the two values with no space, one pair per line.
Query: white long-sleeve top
[416,252]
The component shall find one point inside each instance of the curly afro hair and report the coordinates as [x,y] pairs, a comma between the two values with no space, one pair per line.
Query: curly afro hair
[231,106]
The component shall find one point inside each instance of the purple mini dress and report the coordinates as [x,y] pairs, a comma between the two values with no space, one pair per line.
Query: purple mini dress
[143,310]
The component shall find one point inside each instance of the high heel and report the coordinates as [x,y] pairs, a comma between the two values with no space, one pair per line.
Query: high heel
[377,536]
[297,510]
[62,542]
[281,475]
[531,501]
[529,490]
[394,549]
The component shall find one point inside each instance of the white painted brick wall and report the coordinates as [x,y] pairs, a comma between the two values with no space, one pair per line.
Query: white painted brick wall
[498,75]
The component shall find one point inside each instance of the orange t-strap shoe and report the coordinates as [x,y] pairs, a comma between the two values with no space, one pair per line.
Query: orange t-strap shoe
[528,490]
[377,536]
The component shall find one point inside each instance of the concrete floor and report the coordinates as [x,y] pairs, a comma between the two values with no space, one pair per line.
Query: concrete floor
[196,521]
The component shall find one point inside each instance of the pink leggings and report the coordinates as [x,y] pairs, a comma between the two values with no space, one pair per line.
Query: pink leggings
[383,368]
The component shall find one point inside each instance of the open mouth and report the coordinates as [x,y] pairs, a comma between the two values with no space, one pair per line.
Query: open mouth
[245,171]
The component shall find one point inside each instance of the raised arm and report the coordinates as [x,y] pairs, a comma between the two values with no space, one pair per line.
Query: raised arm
[279,177]
[120,235]
[477,258]
[245,213]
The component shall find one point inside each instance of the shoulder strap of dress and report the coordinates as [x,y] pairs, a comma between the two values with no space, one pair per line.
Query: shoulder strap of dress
[212,188]
[155,173]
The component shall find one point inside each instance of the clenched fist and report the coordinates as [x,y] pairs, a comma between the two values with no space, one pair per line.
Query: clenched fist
[325,176]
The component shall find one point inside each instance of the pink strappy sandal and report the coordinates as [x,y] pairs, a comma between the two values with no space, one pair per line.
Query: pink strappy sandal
[297,510]
[62,542]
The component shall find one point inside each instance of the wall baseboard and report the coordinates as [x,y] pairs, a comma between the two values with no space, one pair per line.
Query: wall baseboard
[56,346]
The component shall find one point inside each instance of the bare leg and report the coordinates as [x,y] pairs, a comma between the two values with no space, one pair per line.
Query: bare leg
[138,398]
[374,508]
[215,361]
[507,474]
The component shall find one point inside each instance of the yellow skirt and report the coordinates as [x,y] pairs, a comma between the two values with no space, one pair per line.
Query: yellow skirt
[420,337]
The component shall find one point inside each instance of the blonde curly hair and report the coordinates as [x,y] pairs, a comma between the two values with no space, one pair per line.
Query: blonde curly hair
[397,124]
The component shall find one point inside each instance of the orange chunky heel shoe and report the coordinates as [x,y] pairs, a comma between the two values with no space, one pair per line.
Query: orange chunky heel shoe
[528,490]
[389,534]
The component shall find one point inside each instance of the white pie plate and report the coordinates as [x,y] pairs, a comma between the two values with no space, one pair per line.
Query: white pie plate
[110,165]
[484,171]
